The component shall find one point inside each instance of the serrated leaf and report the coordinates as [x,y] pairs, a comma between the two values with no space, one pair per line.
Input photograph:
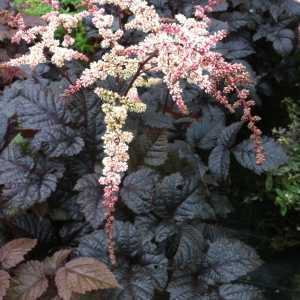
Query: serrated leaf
[83,275]
[228,260]
[4,283]
[236,48]
[157,267]
[12,253]
[90,199]
[71,232]
[58,141]
[240,292]
[183,153]
[90,118]
[32,226]
[40,108]
[228,135]
[158,152]
[283,41]
[29,283]
[219,162]
[26,180]
[237,20]
[184,286]
[189,246]
[169,193]
[136,284]
[138,190]
[93,245]
[126,237]
[165,230]
[195,206]
[205,132]
[54,262]
[145,223]
[274,155]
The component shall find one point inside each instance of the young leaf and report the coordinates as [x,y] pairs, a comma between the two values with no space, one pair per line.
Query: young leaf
[12,253]
[4,283]
[29,283]
[228,260]
[83,275]
[274,153]
[158,153]
[138,190]
[90,199]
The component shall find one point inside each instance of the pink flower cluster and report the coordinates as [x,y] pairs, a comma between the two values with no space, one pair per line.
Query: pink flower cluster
[181,50]
[47,41]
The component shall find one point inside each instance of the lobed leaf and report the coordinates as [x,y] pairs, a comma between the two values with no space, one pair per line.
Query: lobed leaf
[138,190]
[90,199]
[57,260]
[29,283]
[240,292]
[4,283]
[58,141]
[158,152]
[228,260]
[83,275]
[219,162]
[195,206]
[274,154]
[12,253]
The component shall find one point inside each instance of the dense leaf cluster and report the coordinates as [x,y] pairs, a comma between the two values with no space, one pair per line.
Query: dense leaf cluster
[169,202]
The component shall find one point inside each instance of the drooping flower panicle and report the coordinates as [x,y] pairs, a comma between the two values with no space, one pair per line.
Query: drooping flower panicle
[183,49]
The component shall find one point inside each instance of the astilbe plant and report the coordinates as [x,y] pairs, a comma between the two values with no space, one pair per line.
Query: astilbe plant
[181,49]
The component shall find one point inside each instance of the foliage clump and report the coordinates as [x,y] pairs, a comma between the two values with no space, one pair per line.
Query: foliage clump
[284,183]
[131,153]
